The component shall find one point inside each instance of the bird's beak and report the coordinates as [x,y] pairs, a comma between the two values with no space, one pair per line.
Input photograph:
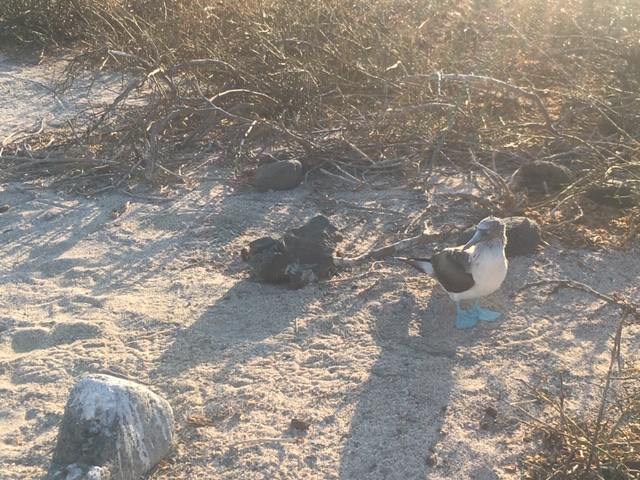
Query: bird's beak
[475,239]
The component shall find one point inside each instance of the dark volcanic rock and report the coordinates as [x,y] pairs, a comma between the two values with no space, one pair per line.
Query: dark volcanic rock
[523,236]
[283,175]
[111,429]
[304,256]
[267,259]
[312,246]
[540,175]
[617,196]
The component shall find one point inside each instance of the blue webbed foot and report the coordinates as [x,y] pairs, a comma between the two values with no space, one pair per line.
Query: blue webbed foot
[466,318]
[487,315]
[484,314]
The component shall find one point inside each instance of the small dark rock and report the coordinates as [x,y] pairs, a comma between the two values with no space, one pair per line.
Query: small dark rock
[491,412]
[297,424]
[432,460]
[304,256]
[489,418]
[283,175]
[617,196]
[4,208]
[523,236]
[540,175]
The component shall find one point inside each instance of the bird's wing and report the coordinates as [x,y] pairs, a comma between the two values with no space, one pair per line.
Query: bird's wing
[452,268]
[460,257]
[422,264]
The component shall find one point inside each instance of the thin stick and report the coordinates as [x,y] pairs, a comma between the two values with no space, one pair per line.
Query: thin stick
[549,427]
[358,151]
[379,253]
[497,180]
[563,420]
[306,144]
[440,144]
[564,222]
[346,179]
[199,63]
[78,141]
[257,441]
[603,401]
[541,396]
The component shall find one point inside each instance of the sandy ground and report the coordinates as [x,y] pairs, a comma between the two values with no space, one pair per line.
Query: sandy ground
[154,290]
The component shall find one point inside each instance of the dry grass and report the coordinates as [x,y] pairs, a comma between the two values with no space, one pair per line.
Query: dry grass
[578,446]
[351,85]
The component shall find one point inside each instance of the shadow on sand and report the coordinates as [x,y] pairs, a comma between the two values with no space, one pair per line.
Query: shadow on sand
[402,406]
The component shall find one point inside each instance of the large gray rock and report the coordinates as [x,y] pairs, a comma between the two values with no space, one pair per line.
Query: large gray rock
[111,429]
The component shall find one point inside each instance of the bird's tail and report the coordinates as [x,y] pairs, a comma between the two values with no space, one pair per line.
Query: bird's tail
[422,264]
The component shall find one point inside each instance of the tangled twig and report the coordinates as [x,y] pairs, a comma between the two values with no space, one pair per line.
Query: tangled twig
[614,299]
[457,77]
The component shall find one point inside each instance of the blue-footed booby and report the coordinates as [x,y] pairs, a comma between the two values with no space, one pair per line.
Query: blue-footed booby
[470,271]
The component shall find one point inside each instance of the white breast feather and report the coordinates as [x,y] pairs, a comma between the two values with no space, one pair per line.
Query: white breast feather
[488,269]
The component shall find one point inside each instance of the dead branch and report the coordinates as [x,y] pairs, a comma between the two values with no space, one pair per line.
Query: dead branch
[558,406]
[153,136]
[30,161]
[616,300]
[582,50]
[380,253]
[471,198]
[397,115]
[134,84]
[499,182]
[243,91]
[457,77]
[347,177]
[308,145]
[358,151]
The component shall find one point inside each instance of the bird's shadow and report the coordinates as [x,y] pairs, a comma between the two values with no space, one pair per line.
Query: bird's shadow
[402,405]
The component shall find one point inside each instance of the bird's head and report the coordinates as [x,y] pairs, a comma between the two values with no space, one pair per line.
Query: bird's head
[489,229]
